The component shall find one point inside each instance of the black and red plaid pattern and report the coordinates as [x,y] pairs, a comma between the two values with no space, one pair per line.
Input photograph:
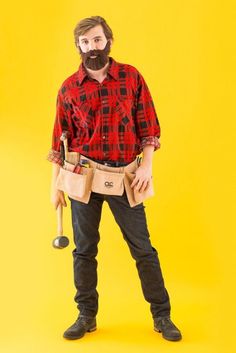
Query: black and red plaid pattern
[112,120]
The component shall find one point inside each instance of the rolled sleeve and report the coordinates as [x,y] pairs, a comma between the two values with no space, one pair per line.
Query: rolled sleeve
[62,123]
[54,157]
[146,120]
[150,140]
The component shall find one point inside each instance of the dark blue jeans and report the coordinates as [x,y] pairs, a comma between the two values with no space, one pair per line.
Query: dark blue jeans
[133,225]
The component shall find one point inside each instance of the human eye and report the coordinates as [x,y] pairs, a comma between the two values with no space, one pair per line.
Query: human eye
[84,42]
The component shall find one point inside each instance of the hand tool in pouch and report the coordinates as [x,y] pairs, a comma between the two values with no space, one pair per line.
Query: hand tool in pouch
[64,145]
[61,241]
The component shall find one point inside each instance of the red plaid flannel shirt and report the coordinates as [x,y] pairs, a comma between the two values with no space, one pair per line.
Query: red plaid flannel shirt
[109,121]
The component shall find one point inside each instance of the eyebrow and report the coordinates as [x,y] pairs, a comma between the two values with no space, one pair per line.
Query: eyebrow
[92,38]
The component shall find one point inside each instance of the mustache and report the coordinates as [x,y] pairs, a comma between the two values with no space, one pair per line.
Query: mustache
[97,52]
[100,60]
[94,52]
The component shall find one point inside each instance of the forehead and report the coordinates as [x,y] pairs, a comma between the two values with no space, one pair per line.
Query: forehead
[93,32]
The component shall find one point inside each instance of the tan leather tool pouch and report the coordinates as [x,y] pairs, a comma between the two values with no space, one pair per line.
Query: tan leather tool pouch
[135,197]
[77,186]
[108,183]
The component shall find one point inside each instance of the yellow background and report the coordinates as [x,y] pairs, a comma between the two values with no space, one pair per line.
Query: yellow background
[186,52]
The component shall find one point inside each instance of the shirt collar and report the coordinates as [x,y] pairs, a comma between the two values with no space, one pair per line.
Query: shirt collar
[112,70]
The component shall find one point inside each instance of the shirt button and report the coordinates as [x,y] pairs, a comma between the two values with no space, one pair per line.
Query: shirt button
[103,102]
[103,137]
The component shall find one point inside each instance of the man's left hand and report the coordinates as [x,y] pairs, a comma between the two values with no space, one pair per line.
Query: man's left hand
[142,178]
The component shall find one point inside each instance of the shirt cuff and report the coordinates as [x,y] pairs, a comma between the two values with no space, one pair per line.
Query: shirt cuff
[150,140]
[55,157]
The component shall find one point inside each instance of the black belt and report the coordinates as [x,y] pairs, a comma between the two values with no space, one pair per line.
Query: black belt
[110,163]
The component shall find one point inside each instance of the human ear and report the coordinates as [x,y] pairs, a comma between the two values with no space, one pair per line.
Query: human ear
[79,48]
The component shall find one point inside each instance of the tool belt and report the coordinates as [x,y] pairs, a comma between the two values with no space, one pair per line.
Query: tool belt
[99,178]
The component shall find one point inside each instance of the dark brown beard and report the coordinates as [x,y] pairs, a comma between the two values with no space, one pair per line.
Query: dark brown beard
[100,61]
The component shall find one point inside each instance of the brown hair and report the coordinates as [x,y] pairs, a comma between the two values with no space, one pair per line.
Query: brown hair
[87,23]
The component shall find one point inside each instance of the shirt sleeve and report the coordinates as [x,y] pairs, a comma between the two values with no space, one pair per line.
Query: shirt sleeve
[62,123]
[146,120]
[150,140]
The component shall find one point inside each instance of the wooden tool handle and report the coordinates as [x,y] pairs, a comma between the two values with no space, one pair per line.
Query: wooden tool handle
[66,148]
[63,138]
[59,219]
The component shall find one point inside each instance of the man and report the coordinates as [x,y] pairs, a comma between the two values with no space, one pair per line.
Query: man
[108,113]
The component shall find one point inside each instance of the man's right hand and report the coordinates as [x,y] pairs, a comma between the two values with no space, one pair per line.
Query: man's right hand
[58,197]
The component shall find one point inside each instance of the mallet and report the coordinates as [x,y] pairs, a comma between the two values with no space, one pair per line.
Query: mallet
[61,241]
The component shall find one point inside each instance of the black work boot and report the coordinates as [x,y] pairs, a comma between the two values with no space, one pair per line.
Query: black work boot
[82,325]
[169,331]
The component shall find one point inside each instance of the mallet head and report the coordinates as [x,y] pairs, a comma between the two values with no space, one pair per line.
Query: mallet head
[60,242]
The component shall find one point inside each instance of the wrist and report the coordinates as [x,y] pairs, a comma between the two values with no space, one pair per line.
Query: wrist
[146,164]
[146,167]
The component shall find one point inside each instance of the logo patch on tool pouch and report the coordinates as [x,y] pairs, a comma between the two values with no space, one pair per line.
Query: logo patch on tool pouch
[108,184]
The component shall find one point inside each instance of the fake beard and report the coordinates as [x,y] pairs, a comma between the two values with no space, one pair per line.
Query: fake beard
[101,57]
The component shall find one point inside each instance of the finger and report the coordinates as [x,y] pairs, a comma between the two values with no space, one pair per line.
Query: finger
[149,182]
[63,201]
[138,186]
[144,186]
[134,182]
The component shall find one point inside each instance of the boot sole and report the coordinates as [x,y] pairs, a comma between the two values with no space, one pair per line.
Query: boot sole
[168,338]
[92,329]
